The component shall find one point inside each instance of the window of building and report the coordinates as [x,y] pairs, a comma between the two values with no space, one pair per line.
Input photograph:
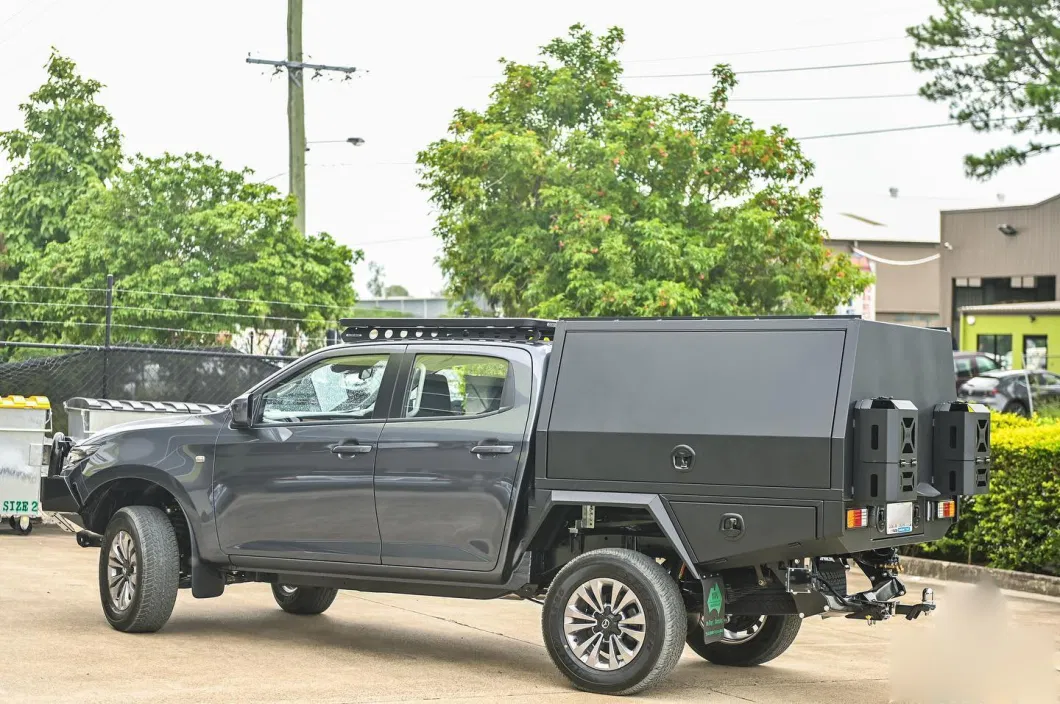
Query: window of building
[999,290]
[455,385]
[1000,346]
[1035,351]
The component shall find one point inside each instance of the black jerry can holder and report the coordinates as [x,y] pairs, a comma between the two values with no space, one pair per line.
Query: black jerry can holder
[885,455]
[961,448]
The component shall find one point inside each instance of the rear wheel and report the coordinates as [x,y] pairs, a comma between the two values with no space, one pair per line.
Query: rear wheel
[304,601]
[139,569]
[614,621]
[748,640]
[1016,408]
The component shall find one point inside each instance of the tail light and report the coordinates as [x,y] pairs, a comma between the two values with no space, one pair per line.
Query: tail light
[946,509]
[857,517]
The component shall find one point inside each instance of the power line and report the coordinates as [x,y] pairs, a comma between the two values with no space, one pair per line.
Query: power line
[764,51]
[120,325]
[827,67]
[225,298]
[137,309]
[908,128]
[794,99]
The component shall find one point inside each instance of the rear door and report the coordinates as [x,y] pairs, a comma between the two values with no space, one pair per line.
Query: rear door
[448,456]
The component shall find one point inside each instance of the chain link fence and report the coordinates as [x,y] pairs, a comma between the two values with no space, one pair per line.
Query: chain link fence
[130,372]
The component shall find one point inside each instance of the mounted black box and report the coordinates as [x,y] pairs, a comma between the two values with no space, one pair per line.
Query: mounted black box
[961,448]
[885,460]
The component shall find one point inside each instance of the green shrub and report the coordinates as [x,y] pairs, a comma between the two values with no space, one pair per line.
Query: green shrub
[1017,525]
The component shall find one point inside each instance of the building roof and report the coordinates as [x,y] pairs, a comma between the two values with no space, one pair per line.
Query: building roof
[1015,206]
[1015,308]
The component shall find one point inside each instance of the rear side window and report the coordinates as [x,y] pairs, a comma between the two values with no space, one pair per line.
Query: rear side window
[455,385]
[985,364]
[962,367]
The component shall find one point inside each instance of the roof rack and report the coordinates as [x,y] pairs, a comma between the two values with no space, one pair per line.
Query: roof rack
[501,329]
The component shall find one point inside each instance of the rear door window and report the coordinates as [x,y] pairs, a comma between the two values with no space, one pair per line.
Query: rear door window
[985,364]
[454,385]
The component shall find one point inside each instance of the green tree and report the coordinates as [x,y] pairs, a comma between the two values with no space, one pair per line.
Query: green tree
[395,290]
[68,145]
[186,225]
[996,64]
[570,196]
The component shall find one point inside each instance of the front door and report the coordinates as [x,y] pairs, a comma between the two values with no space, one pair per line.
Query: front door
[299,482]
[447,462]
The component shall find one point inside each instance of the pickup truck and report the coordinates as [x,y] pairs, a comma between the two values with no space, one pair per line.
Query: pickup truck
[651,482]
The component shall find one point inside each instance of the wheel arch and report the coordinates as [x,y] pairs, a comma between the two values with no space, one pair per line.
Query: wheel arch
[556,511]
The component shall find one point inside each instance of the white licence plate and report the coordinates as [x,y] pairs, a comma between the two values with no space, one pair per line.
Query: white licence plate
[900,518]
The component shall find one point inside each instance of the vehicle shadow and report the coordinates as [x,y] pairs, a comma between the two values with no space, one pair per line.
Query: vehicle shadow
[371,639]
[519,659]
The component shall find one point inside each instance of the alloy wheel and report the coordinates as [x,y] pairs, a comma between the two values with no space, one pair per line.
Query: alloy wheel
[604,624]
[123,576]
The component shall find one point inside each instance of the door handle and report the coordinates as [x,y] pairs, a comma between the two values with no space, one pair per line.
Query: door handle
[492,449]
[351,449]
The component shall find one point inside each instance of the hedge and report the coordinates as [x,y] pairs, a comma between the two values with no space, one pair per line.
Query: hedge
[1017,525]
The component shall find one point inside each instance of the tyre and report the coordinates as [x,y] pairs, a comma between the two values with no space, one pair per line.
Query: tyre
[748,640]
[139,569]
[1017,408]
[304,601]
[614,622]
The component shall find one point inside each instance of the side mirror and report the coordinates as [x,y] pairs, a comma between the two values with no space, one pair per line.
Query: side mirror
[241,412]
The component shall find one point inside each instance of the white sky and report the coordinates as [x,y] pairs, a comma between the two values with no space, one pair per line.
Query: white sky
[177,80]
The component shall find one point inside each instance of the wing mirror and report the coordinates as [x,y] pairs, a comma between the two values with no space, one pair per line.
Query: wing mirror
[241,411]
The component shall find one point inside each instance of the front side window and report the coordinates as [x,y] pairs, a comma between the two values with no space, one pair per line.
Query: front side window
[335,389]
[453,385]
[986,364]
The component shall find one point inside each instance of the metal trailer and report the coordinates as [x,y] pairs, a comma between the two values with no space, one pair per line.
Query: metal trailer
[91,415]
[24,426]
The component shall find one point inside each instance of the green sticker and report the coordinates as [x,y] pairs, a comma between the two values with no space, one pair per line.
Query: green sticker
[714,611]
[715,600]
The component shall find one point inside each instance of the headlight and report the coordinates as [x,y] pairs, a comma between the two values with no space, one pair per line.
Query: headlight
[79,453]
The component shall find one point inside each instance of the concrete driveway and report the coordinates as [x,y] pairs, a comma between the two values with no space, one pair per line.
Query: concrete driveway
[980,646]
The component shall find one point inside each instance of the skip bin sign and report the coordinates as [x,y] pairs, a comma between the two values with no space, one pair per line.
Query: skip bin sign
[713,609]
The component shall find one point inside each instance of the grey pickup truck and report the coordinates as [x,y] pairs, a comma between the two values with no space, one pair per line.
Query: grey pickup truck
[652,482]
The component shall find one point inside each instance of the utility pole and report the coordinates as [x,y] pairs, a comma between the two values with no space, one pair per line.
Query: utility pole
[296,102]
[296,111]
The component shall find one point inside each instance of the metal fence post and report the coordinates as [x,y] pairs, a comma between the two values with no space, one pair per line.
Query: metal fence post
[106,333]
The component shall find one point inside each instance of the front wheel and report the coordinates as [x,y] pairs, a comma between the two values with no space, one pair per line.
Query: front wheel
[304,601]
[748,640]
[139,569]
[614,621]
[1016,408]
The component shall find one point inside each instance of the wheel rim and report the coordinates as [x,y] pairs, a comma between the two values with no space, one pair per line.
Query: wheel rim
[740,629]
[604,624]
[287,591]
[123,575]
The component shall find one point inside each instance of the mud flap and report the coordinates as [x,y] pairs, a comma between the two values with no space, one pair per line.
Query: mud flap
[713,608]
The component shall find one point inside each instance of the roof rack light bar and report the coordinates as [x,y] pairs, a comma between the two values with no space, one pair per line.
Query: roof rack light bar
[502,329]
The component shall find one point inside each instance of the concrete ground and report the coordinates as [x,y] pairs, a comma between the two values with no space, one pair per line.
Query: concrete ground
[385,648]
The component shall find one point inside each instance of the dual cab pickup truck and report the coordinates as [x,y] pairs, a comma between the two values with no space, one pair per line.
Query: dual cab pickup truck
[655,482]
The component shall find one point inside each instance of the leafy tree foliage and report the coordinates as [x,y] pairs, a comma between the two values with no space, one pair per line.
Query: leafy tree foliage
[996,63]
[395,290]
[68,145]
[376,284]
[74,210]
[186,225]
[570,196]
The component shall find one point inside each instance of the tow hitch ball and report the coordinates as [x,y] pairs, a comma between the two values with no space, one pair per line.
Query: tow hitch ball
[926,605]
